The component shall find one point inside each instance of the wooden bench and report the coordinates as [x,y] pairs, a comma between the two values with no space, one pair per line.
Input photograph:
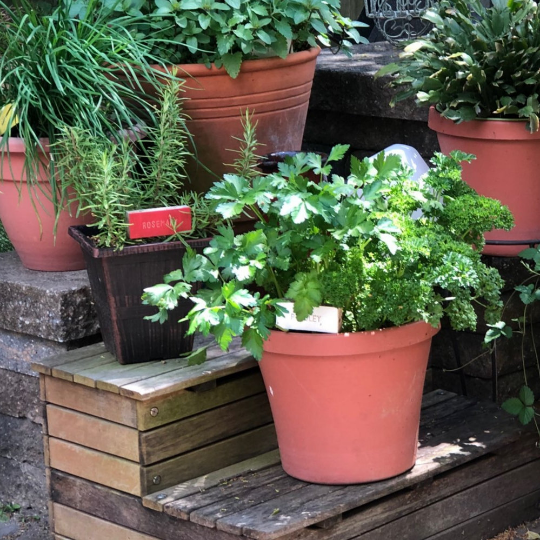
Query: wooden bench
[167,451]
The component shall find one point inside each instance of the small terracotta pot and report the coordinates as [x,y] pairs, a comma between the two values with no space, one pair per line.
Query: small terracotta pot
[506,168]
[27,214]
[347,406]
[275,90]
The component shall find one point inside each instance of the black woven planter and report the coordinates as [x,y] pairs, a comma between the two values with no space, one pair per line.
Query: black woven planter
[117,279]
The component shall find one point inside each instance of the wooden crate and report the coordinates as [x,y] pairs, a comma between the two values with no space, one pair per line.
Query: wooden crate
[188,453]
[142,427]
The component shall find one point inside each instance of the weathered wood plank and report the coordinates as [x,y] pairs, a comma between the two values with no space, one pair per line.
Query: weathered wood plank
[208,459]
[95,402]
[67,372]
[184,403]
[190,376]
[107,373]
[491,523]
[233,489]
[490,427]
[206,428]
[371,516]
[92,432]
[436,396]
[469,503]
[157,501]
[125,510]
[80,526]
[281,485]
[45,365]
[95,466]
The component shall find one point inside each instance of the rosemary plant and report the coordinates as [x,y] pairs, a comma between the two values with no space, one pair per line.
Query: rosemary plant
[144,169]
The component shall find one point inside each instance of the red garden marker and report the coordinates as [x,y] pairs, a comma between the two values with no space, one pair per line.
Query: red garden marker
[159,221]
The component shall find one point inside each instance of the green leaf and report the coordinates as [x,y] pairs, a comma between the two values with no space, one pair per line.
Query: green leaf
[526,415]
[232,63]
[526,396]
[338,152]
[513,406]
[253,342]
[306,291]
[196,358]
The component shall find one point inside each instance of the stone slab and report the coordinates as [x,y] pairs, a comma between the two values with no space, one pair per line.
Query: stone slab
[18,351]
[51,305]
[348,84]
[21,440]
[23,483]
[19,396]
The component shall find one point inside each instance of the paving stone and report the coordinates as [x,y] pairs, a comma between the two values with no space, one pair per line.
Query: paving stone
[52,305]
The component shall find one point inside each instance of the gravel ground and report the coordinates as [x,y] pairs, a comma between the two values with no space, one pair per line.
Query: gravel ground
[528,531]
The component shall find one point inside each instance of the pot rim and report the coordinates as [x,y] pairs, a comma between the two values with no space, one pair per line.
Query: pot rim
[510,129]
[356,343]
[17,145]
[248,66]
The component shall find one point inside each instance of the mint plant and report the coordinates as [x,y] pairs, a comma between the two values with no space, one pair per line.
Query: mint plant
[347,242]
[228,32]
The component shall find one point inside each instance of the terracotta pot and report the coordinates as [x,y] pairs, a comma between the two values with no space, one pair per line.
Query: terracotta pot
[347,406]
[277,92]
[28,216]
[506,168]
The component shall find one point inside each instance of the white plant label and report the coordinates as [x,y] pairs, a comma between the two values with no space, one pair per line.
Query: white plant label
[324,319]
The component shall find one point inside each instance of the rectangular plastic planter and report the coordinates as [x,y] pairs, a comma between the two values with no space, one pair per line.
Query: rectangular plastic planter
[117,279]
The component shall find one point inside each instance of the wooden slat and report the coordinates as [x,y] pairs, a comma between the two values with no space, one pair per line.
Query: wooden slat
[45,365]
[190,376]
[203,429]
[452,511]
[80,526]
[233,490]
[209,515]
[208,459]
[93,432]
[184,403]
[95,466]
[444,450]
[436,396]
[157,501]
[67,372]
[95,402]
[114,379]
[495,521]
[125,510]
[407,502]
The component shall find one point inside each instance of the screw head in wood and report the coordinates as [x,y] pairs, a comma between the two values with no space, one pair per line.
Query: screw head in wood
[156,480]
[154,411]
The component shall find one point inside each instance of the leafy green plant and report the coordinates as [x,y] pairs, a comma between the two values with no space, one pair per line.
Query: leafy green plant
[476,62]
[522,406]
[58,71]
[228,32]
[7,509]
[143,168]
[349,242]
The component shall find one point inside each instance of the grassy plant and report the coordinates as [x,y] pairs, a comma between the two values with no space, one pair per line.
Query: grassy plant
[111,177]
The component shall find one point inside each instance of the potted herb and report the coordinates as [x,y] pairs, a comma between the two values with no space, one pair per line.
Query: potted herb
[141,176]
[478,69]
[346,405]
[58,71]
[256,54]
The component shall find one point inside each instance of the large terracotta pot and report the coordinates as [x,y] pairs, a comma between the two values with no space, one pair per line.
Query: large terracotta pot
[277,92]
[27,214]
[506,168]
[347,406]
